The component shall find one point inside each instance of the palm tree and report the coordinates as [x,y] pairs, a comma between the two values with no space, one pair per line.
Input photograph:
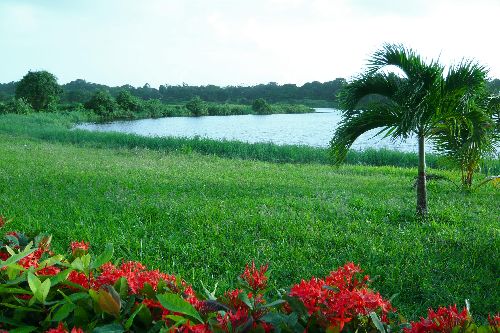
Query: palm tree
[469,135]
[411,102]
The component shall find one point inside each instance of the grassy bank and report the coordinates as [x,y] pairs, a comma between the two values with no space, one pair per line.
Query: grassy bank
[205,217]
[56,127]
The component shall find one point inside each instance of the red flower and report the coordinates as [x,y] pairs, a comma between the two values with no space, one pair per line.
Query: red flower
[4,256]
[190,296]
[48,271]
[339,298]
[157,310]
[135,273]
[25,297]
[199,328]
[79,248]
[235,319]
[32,259]
[444,320]
[494,321]
[81,279]
[60,329]
[256,278]
[12,233]
[233,300]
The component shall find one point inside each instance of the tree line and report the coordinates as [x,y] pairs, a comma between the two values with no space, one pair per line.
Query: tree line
[81,91]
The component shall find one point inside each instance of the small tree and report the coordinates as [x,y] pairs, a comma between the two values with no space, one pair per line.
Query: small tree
[260,106]
[40,89]
[102,103]
[129,102]
[469,136]
[197,107]
[19,106]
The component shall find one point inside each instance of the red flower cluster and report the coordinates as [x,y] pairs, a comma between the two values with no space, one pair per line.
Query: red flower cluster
[32,259]
[340,297]
[135,273]
[157,310]
[443,320]
[495,321]
[61,329]
[256,278]
[79,248]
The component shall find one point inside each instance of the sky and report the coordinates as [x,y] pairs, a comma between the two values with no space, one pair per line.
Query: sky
[235,42]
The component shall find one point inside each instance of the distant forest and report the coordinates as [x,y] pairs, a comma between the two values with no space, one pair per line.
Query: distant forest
[311,93]
[80,91]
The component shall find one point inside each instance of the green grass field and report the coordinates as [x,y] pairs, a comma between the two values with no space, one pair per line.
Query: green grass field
[205,216]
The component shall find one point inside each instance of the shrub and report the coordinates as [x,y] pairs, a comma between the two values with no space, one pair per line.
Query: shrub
[127,101]
[46,292]
[197,107]
[103,104]
[19,106]
[260,106]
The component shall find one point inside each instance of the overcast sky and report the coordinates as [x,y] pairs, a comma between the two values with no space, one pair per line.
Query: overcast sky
[230,42]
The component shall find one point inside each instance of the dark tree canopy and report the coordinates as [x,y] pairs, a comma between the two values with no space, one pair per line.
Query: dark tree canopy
[102,103]
[40,89]
[260,106]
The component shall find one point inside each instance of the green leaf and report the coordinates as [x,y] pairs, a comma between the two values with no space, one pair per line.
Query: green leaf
[210,295]
[16,257]
[35,284]
[109,302]
[269,305]
[122,287]
[63,312]
[376,321]
[244,298]
[60,277]
[44,290]
[130,320]
[110,328]
[175,303]
[4,290]
[103,257]
[297,306]
[23,308]
[78,265]
[24,329]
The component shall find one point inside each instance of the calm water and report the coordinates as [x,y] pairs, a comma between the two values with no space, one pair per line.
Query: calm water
[312,129]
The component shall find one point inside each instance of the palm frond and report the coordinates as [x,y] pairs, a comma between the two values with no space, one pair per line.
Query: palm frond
[383,85]
[407,60]
[378,116]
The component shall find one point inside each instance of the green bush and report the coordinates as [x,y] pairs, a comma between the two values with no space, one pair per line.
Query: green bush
[128,102]
[197,107]
[19,106]
[260,106]
[103,104]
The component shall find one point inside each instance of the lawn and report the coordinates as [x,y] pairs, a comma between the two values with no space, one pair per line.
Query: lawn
[204,217]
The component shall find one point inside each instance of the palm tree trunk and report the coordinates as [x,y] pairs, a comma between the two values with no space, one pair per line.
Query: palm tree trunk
[421,183]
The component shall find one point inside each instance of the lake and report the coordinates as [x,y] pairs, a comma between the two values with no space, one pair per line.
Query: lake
[311,129]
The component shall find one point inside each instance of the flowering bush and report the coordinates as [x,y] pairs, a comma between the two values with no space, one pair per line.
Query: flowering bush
[41,291]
